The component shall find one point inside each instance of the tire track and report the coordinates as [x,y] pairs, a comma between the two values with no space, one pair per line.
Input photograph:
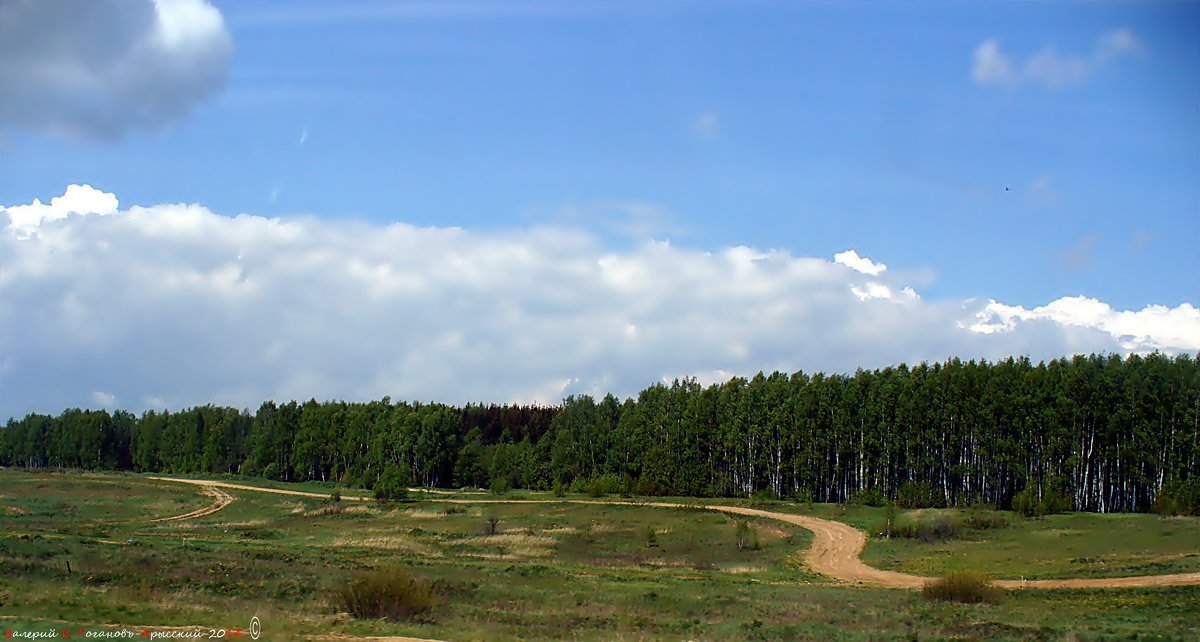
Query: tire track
[835,550]
[221,499]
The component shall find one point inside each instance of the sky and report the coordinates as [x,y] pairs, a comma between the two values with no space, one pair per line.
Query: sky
[514,201]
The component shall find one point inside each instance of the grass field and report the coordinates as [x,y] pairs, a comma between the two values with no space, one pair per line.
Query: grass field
[549,571]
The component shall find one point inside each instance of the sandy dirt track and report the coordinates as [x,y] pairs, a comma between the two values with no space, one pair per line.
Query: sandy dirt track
[835,550]
[221,499]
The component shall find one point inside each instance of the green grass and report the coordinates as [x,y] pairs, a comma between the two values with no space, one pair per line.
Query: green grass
[552,571]
[1057,546]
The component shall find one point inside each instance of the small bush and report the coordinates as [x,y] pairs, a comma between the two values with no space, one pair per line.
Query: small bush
[803,496]
[745,536]
[937,529]
[764,495]
[597,488]
[501,485]
[650,536]
[918,495]
[1029,504]
[963,586]
[982,520]
[386,593]
[1179,498]
[868,497]
[392,485]
[489,528]
[335,497]
[560,489]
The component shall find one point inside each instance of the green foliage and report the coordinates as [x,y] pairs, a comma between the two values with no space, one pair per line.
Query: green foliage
[931,432]
[868,497]
[963,586]
[501,485]
[560,489]
[1029,504]
[491,524]
[597,488]
[918,495]
[1179,498]
[391,593]
[745,536]
[982,519]
[392,485]
[335,496]
[650,536]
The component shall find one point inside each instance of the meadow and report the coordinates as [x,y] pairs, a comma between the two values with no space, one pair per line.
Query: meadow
[85,550]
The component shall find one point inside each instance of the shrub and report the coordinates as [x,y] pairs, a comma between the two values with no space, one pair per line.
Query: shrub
[650,536]
[1054,502]
[803,496]
[980,520]
[597,488]
[1029,504]
[501,485]
[489,528]
[939,528]
[764,495]
[385,593]
[560,489]
[335,497]
[963,586]
[918,495]
[746,536]
[868,497]
[1179,498]
[392,485]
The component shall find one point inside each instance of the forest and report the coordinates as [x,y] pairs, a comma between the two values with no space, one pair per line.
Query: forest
[1092,433]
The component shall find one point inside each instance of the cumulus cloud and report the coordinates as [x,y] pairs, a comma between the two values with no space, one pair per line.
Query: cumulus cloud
[852,260]
[1154,327]
[78,199]
[991,66]
[174,305]
[101,68]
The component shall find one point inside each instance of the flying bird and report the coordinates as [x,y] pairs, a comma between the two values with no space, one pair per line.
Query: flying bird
[1008,189]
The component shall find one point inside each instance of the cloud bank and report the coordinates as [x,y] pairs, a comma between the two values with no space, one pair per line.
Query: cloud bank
[991,66]
[101,68]
[174,305]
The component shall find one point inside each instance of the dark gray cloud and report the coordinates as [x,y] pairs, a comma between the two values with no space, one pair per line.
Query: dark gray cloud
[99,69]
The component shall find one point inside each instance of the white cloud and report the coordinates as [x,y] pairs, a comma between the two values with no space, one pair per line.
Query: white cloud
[174,305]
[852,260]
[78,199]
[1154,327]
[101,68]
[103,399]
[991,66]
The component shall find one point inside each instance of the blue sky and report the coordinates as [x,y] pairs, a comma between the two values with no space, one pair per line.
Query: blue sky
[808,128]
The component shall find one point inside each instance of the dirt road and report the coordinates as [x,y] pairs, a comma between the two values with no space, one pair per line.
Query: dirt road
[221,499]
[834,552]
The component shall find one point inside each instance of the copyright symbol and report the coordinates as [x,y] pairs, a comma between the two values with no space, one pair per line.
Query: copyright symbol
[255,628]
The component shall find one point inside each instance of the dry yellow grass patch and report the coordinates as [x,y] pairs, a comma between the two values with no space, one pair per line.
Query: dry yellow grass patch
[246,524]
[418,513]
[390,543]
[294,508]
[496,557]
[742,568]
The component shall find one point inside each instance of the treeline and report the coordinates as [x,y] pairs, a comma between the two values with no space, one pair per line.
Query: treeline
[1097,433]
